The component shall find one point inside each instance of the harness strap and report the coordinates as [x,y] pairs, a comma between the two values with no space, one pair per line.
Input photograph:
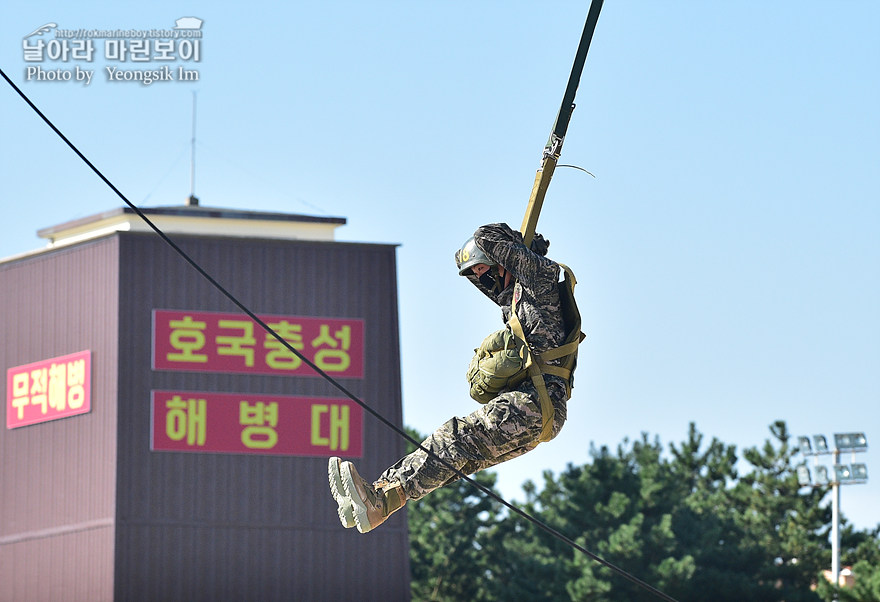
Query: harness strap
[536,364]
[562,350]
[534,370]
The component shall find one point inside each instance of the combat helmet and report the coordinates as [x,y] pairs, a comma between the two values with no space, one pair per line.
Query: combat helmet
[470,255]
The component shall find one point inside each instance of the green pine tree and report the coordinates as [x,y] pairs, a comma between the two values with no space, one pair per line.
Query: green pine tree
[447,560]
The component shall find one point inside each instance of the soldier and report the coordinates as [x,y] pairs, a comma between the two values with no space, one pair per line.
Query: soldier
[516,414]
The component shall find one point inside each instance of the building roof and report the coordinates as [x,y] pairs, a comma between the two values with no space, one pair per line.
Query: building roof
[196,220]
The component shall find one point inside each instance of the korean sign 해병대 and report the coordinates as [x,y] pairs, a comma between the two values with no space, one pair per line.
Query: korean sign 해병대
[218,342]
[48,390]
[251,423]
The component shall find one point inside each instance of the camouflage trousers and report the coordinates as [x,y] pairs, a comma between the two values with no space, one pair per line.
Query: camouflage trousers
[504,428]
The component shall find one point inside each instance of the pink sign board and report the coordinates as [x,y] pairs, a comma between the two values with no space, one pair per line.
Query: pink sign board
[48,390]
[199,341]
[250,423]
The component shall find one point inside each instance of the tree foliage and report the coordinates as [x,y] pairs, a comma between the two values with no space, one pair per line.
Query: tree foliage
[446,531]
[684,522]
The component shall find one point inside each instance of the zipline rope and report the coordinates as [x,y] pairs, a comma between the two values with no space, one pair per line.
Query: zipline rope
[548,529]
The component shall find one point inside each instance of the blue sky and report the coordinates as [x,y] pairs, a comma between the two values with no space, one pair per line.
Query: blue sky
[727,250]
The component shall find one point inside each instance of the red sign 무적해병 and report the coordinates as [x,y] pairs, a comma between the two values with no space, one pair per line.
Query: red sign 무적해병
[48,390]
[199,341]
[250,423]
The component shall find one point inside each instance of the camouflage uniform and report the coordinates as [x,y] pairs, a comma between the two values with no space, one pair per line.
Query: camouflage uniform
[510,424]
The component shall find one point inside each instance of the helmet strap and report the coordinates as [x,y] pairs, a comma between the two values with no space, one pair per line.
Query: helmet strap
[499,281]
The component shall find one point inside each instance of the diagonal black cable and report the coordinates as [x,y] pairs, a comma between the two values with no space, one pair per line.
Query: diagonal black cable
[633,579]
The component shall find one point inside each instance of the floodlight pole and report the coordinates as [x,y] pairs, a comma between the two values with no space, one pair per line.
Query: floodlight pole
[835,523]
[842,475]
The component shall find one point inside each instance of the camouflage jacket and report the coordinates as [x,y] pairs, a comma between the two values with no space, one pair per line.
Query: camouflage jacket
[538,307]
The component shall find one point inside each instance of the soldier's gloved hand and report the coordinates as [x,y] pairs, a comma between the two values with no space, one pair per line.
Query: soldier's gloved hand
[540,244]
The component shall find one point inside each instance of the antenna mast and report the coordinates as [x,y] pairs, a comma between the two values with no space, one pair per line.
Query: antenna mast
[193,201]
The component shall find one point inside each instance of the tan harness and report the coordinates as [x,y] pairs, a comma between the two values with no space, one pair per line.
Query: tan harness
[536,364]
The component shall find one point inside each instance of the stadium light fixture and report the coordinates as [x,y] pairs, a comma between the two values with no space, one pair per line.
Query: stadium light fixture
[844,474]
[803,474]
[804,445]
[859,472]
[851,441]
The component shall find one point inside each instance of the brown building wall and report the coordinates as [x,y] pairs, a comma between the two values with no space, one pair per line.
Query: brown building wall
[251,527]
[193,526]
[58,479]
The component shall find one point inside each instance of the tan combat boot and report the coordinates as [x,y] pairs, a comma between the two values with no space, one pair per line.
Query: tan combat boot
[345,510]
[370,506]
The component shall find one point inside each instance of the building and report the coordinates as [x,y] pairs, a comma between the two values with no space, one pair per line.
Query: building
[160,445]
[846,578]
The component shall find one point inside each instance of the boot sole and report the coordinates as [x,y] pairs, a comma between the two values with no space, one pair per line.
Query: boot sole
[345,510]
[359,509]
